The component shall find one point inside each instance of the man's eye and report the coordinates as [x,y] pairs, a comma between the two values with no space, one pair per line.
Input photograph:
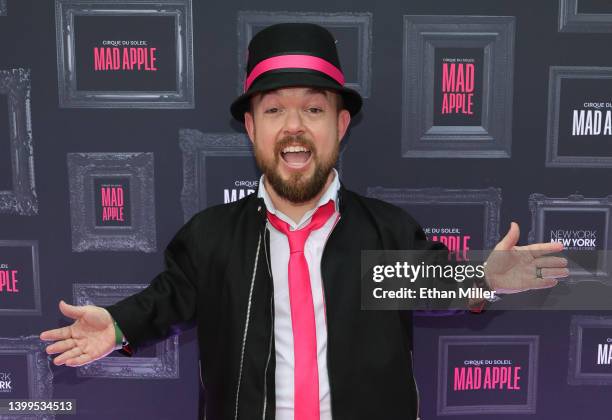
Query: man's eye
[271,110]
[315,110]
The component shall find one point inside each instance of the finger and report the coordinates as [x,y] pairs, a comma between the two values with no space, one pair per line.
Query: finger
[543,262]
[537,283]
[552,273]
[60,346]
[510,239]
[79,360]
[543,248]
[71,311]
[61,359]
[544,283]
[56,334]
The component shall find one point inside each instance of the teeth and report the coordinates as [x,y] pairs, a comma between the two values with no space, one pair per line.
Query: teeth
[295,149]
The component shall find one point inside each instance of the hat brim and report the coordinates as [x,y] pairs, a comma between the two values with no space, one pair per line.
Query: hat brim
[280,79]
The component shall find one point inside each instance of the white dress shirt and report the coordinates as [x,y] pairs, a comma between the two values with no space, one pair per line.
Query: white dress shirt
[283,334]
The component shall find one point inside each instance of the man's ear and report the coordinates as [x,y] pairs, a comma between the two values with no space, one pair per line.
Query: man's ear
[344,118]
[249,125]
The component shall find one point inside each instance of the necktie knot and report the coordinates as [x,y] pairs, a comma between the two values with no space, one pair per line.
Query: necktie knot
[297,238]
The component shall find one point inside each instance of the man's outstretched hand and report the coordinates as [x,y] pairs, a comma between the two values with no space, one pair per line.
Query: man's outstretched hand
[513,269]
[90,337]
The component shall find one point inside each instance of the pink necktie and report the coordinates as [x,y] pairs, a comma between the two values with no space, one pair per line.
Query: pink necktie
[306,374]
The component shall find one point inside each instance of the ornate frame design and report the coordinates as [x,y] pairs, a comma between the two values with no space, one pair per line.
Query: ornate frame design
[71,97]
[83,168]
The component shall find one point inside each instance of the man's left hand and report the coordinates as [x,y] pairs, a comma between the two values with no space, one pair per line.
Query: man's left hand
[515,269]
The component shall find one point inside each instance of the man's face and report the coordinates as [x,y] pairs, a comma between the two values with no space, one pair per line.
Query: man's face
[296,134]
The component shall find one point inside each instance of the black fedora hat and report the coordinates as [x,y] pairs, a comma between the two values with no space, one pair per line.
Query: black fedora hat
[293,54]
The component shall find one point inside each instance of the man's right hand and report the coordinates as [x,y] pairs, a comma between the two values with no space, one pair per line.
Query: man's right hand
[90,337]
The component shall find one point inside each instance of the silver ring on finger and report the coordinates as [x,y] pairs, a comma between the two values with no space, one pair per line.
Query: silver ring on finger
[539,272]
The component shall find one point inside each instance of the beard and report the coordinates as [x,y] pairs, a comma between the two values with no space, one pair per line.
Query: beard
[299,188]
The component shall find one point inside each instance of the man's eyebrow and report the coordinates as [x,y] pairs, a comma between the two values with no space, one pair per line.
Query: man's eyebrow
[266,93]
[309,91]
[313,90]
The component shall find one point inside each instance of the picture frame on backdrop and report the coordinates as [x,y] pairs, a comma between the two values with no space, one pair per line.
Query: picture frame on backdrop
[579,133]
[158,362]
[20,277]
[583,226]
[462,219]
[17,185]
[591,16]
[590,357]
[467,364]
[219,168]
[112,201]
[24,360]
[146,61]
[457,86]
[353,33]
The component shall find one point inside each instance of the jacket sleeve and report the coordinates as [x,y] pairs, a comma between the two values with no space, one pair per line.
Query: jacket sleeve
[168,305]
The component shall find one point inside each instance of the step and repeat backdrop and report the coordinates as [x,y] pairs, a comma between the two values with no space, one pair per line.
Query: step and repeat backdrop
[115,129]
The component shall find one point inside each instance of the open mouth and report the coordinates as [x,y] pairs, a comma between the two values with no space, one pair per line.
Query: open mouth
[296,156]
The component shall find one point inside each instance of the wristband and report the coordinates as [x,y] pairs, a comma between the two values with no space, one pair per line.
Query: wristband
[118,335]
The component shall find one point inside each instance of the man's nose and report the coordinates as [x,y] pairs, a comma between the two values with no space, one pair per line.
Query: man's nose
[294,123]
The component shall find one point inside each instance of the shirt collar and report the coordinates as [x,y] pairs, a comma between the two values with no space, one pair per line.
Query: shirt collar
[331,193]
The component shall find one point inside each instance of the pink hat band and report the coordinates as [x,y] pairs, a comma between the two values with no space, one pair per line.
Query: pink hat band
[294,61]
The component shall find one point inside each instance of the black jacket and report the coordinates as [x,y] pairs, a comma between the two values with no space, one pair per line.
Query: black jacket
[218,276]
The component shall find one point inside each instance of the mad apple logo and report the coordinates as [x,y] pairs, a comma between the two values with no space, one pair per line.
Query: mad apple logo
[125,55]
[5,382]
[575,239]
[9,280]
[458,243]
[495,373]
[487,375]
[458,86]
[240,189]
[594,119]
[604,353]
[112,201]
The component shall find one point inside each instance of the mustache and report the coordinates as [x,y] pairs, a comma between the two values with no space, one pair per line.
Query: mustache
[298,140]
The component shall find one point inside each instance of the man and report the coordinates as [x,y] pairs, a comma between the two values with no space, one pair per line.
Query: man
[272,280]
